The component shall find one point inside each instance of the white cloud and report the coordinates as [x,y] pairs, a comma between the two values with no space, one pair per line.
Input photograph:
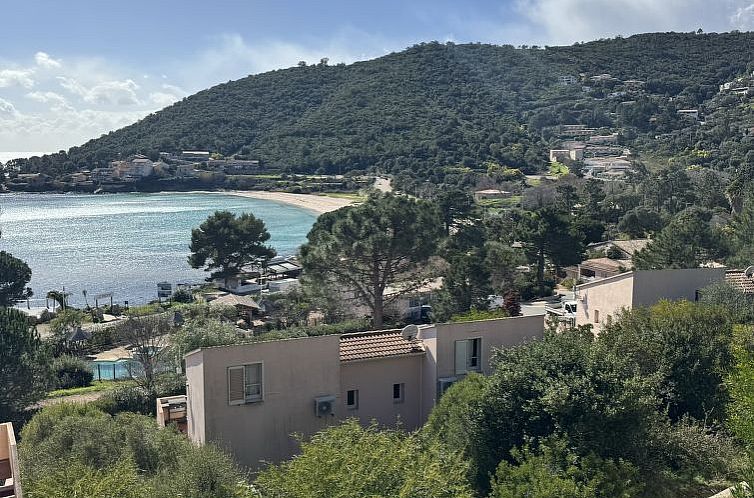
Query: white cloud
[43,59]
[20,77]
[7,108]
[743,18]
[567,21]
[232,57]
[107,92]
[57,102]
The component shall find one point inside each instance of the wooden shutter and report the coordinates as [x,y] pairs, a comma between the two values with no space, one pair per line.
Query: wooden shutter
[236,386]
[461,355]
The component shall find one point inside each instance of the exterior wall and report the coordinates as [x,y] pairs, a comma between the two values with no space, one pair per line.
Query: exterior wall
[640,288]
[374,380]
[494,334]
[195,406]
[598,300]
[653,286]
[9,461]
[428,336]
[294,373]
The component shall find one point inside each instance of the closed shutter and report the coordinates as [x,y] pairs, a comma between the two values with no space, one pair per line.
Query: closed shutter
[461,355]
[236,386]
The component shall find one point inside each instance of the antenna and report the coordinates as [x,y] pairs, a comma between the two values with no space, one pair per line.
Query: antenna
[409,332]
[749,272]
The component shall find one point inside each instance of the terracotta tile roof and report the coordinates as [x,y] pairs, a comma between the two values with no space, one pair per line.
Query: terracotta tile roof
[378,344]
[605,265]
[738,280]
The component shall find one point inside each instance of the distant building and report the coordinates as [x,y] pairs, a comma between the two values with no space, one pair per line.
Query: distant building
[562,155]
[195,155]
[625,248]
[691,113]
[603,139]
[567,79]
[597,268]
[251,398]
[132,169]
[604,298]
[233,166]
[491,193]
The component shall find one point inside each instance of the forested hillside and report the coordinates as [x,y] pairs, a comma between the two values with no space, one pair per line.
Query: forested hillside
[428,107]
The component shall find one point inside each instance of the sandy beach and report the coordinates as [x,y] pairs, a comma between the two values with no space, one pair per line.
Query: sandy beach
[317,203]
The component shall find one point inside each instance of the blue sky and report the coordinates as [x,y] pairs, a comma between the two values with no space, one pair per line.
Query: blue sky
[72,70]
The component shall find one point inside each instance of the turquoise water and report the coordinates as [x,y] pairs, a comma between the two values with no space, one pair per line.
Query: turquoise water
[125,243]
[111,370]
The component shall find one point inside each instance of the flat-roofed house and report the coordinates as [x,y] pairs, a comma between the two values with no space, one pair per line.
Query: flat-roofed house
[251,398]
[491,193]
[604,298]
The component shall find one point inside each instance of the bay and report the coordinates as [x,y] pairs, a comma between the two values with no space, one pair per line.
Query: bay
[125,243]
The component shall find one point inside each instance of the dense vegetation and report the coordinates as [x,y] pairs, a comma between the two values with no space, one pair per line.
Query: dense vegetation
[430,108]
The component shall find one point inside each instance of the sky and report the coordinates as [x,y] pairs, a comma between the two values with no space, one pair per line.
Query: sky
[73,70]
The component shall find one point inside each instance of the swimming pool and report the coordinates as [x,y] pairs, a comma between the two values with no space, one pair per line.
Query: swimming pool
[113,370]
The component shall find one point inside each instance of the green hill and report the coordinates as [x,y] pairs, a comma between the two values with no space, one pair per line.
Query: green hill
[427,107]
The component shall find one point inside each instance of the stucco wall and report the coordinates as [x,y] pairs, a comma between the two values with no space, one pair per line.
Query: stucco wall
[494,334]
[604,296]
[640,288]
[295,372]
[653,286]
[195,402]
[374,380]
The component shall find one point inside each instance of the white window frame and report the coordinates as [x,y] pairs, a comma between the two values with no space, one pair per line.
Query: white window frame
[355,405]
[246,398]
[462,358]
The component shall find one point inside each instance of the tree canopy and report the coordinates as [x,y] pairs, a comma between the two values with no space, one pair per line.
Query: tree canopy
[224,243]
[383,244]
[24,364]
[14,275]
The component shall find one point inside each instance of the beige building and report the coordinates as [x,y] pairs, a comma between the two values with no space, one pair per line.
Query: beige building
[10,483]
[251,398]
[601,299]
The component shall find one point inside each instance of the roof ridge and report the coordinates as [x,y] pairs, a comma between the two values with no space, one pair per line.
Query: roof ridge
[367,333]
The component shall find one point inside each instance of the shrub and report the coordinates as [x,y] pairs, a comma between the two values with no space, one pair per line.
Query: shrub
[183,296]
[475,314]
[128,398]
[70,371]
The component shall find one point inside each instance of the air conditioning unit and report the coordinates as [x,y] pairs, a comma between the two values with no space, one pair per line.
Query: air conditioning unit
[324,406]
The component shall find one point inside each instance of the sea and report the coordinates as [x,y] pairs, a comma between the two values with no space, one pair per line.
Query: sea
[125,244]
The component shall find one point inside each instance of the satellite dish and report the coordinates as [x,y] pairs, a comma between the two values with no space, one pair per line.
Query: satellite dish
[409,332]
[749,272]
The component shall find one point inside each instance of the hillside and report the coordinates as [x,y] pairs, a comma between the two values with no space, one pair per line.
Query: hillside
[430,106]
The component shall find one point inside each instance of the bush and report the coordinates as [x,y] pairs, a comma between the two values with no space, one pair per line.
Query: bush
[79,451]
[475,315]
[128,398]
[70,371]
[183,296]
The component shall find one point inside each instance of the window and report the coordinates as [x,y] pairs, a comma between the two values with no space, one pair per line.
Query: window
[352,399]
[398,393]
[468,356]
[245,384]
[596,316]
[444,384]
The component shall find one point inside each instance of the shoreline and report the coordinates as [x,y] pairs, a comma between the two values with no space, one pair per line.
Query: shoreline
[317,204]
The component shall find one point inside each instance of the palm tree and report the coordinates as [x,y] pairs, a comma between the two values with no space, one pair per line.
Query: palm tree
[85,299]
[58,297]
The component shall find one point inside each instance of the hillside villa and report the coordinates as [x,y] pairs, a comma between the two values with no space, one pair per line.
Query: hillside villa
[251,398]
